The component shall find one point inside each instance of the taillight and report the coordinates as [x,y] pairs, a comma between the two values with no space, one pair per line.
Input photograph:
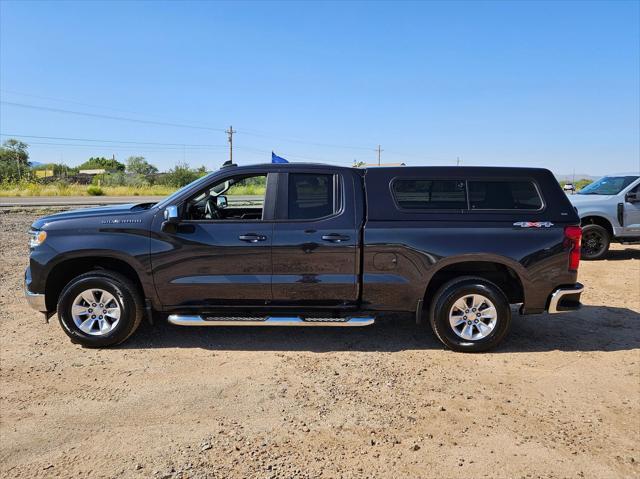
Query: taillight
[572,236]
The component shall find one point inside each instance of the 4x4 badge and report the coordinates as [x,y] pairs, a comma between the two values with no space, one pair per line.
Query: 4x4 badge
[533,224]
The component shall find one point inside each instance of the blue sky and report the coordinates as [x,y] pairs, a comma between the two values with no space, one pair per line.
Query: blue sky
[494,83]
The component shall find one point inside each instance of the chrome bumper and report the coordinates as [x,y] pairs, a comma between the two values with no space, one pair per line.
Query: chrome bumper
[35,300]
[565,299]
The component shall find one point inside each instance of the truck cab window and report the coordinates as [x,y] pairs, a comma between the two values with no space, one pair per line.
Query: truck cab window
[235,198]
[311,196]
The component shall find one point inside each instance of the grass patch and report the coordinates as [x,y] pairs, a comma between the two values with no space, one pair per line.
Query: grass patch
[63,189]
[248,190]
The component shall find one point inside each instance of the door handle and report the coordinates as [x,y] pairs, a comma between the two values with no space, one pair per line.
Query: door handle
[335,238]
[252,237]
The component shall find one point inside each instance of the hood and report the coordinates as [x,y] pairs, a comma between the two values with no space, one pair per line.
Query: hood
[120,210]
[585,200]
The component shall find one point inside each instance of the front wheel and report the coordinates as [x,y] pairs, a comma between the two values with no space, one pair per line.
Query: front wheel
[470,314]
[99,309]
[595,242]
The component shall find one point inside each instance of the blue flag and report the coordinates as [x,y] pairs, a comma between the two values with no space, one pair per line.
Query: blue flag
[277,159]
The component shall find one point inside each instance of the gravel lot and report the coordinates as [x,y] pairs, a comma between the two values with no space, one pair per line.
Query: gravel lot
[561,398]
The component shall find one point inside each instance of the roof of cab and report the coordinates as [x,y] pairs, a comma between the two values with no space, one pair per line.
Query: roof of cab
[285,166]
[389,171]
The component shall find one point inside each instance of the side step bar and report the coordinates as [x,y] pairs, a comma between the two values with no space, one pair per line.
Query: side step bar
[190,320]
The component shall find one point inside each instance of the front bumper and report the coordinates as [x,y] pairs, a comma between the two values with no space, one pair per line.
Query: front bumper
[35,300]
[566,298]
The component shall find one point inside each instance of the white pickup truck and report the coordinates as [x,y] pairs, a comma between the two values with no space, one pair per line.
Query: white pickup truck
[609,210]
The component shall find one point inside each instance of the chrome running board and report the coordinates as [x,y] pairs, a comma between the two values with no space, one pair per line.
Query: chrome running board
[191,320]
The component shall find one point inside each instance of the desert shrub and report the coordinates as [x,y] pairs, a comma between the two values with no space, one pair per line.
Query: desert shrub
[94,190]
[120,179]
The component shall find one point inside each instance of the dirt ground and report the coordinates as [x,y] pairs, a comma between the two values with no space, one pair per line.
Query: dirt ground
[560,398]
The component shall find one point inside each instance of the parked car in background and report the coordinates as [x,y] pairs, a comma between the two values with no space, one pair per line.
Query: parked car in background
[609,210]
[569,188]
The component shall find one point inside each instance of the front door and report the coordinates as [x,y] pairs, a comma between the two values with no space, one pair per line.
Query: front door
[220,252]
[632,214]
[315,241]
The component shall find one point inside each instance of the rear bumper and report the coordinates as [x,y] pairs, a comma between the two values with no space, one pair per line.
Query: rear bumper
[35,300]
[566,298]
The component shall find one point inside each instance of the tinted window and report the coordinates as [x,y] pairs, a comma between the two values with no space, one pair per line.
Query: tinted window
[235,198]
[609,185]
[503,195]
[430,194]
[310,196]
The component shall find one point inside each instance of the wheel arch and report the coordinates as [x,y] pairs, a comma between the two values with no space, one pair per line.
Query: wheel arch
[508,275]
[70,267]
[594,219]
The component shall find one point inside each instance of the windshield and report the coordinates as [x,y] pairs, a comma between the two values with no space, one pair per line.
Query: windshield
[169,199]
[609,185]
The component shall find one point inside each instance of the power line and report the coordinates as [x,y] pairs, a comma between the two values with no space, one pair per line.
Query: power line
[249,132]
[73,102]
[123,147]
[151,145]
[110,141]
[107,117]
[305,142]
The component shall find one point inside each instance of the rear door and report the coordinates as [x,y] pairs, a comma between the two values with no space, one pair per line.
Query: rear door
[315,239]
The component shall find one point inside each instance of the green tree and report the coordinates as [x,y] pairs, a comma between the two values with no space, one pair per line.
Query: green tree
[102,163]
[582,183]
[181,175]
[140,166]
[14,160]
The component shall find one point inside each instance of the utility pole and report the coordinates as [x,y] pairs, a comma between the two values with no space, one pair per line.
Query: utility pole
[379,151]
[230,132]
[457,161]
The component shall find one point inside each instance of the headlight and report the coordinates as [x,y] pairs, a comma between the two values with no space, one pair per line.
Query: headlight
[36,238]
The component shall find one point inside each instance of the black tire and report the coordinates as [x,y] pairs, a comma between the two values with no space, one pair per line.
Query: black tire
[595,242]
[126,295]
[442,305]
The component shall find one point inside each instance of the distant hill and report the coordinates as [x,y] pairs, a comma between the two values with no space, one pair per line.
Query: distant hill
[577,176]
[36,163]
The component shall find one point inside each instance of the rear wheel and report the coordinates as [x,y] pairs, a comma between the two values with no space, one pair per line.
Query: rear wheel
[100,309]
[595,242]
[470,314]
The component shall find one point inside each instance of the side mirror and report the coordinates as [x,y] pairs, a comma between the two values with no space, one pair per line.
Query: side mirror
[632,198]
[171,214]
[221,202]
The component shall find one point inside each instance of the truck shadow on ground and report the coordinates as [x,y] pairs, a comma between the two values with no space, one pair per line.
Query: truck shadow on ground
[593,328]
[622,254]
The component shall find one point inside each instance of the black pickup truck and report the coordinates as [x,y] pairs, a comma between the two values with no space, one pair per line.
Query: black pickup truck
[317,245]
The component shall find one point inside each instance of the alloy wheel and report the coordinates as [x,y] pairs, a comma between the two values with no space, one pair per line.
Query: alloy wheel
[95,312]
[473,317]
